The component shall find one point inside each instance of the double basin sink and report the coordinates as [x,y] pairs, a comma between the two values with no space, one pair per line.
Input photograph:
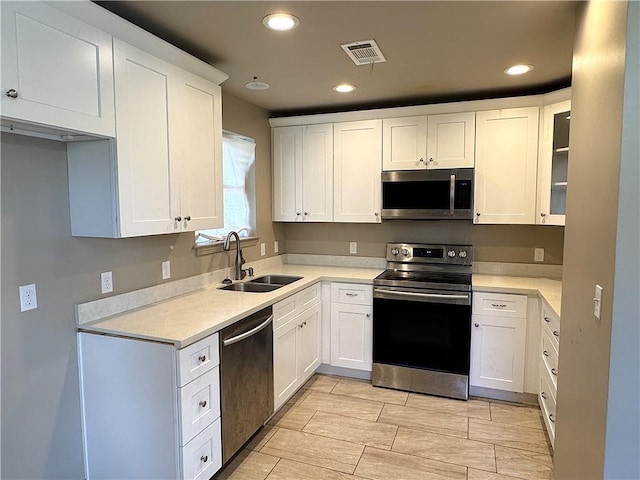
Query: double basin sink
[266,283]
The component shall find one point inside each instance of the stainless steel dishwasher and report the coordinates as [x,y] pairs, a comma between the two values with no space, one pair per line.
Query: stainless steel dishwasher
[246,379]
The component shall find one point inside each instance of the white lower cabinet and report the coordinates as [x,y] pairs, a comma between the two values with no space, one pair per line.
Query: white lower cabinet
[149,410]
[296,342]
[550,330]
[351,326]
[498,339]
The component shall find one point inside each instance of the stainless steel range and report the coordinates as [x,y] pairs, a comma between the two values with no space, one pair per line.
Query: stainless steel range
[422,319]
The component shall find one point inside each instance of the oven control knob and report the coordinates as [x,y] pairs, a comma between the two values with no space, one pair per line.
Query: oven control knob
[395,251]
[451,253]
[405,252]
[462,254]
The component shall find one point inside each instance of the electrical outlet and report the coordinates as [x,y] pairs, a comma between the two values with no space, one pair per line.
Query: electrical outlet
[166,270]
[597,302]
[106,282]
[538,254]
[28,298]
[353,247]
[263,249]
[275,247]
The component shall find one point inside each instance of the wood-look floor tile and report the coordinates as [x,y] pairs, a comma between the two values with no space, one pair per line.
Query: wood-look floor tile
[445,448]
[289,470]
[470,408]
[482,475]
[341,405]
[523,464]
[262,437]
[314,450]
[384,465]
[515,436]
[321,383]
[248,465]
[364,389]
[292,417]
[298,397]
[351,429]
[428,420]
[517,415]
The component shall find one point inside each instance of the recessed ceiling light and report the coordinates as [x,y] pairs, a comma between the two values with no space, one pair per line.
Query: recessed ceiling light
[344,88]
[518,69]
[280,21]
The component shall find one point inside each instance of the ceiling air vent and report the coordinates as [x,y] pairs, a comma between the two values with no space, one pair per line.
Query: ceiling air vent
[364,53]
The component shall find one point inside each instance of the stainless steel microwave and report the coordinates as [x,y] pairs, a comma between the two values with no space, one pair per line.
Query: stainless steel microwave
[428,194]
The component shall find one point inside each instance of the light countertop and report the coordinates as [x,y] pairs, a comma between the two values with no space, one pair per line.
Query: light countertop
[187,318]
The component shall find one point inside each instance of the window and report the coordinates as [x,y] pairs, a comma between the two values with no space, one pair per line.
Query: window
[238,178]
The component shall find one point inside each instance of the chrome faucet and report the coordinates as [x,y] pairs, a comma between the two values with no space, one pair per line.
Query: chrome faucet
[240,273]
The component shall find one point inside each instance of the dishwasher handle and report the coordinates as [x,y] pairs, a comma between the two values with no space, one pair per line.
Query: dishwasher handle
[242,336]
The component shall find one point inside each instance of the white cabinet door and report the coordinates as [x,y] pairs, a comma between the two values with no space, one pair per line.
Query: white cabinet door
[148,198]
[357,175]
[451,140]
[200,153]
[497,352]
[56,69]
[404,143]
[285,362]
[309,343]
[506,165]
[317,173]
[553,162]
[287,173]
[351,336]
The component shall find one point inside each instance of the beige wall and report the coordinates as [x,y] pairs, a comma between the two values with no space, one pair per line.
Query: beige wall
[590,239]
[492,243]
[41,435]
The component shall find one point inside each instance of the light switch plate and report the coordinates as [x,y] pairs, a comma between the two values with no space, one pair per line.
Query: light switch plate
[597,302]
[353,247]
[263,249]
[166,270]
[276,248]
[538,254]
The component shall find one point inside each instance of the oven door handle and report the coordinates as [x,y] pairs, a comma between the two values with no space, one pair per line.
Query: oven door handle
[426,296]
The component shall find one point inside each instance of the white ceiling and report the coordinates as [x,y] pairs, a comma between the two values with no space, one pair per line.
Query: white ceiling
[435,50]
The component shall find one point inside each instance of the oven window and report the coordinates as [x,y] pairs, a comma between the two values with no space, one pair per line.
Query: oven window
[432,336]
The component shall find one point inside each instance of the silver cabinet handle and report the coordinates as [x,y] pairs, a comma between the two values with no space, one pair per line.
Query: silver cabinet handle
[554,371]
[499,305]
[452,193]
[203,403]
[12,93]
[202,358]
[242,336]
[552,419]
[204,458]
[556,333]
[545,353]
[476,325]
[187,218]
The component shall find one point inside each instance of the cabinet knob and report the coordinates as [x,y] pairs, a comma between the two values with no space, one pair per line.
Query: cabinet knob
[421,160]
[368,315]
[12,93]
[476,325]
[431,160]
[554,371]
[297,214]
[203,403]
[377,214]
[204,458]
[187,218]
[552,419]
[178,218]
[545,353]
[477,214]
[556,334]
[202,358]
[547,319]
[543,395]
[306,213]
[542,214]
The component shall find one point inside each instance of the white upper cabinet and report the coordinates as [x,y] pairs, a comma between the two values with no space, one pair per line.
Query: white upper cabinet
[553,160]
[56,70]
[432,142]
[358,168]
[506,166]
[303,173]
[166,166]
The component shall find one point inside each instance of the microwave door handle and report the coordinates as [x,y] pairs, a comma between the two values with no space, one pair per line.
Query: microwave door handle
[452,194]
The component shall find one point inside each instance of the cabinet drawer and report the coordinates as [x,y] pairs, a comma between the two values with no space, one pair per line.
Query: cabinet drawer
[352,293]
[550,356]
[547,401]
[286,309]
[199,404]
[197,359]
[202,456]
[551,322]
[500,305]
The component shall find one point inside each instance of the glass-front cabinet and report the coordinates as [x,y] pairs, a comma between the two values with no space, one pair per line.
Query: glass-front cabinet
[553,163]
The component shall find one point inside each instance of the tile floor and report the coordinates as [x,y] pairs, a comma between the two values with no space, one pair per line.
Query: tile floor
[338,428]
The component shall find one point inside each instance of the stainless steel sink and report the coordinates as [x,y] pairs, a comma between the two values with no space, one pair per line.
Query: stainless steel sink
[275,280]
[251,287]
